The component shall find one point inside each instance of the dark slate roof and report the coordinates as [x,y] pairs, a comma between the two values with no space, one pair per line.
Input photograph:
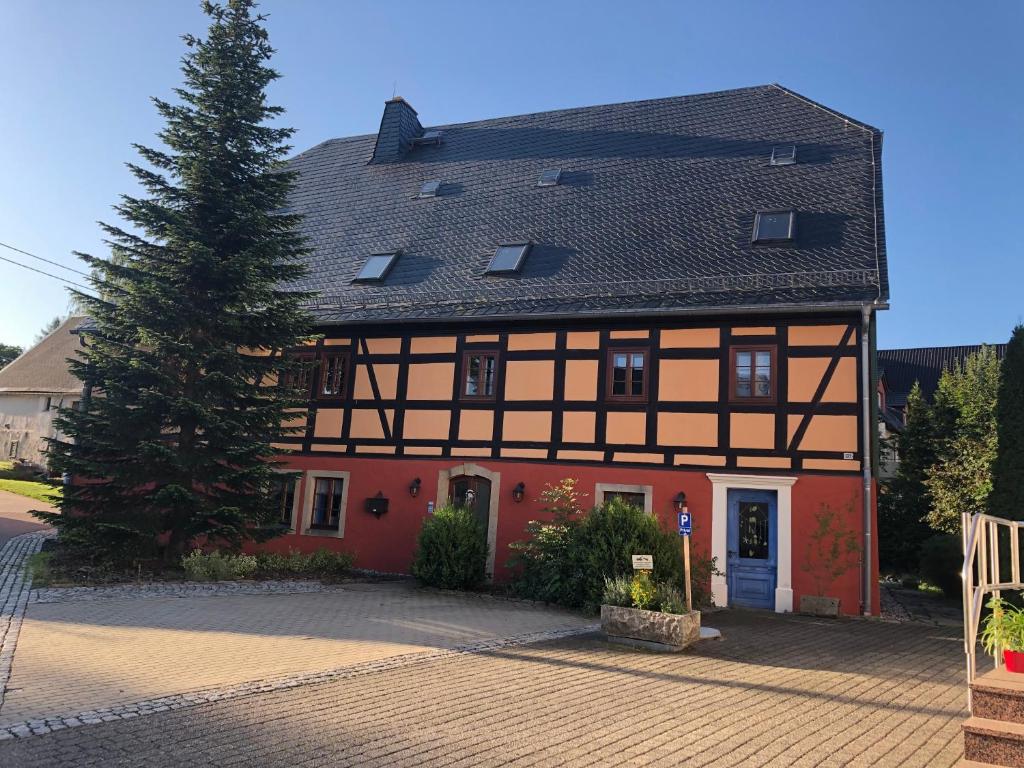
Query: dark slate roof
[902,367]
[654,212]
[43,368]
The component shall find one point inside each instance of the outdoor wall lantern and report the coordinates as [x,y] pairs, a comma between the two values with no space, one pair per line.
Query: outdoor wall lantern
[679,502]
[377,505]
[414,488]
[519,492]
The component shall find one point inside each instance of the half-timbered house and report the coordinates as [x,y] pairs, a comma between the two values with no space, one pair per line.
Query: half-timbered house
[662,299]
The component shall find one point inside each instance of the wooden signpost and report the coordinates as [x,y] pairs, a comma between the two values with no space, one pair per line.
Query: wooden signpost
[685,528]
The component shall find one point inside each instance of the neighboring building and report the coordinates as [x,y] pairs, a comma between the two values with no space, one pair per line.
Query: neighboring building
[661,297]
[32,388]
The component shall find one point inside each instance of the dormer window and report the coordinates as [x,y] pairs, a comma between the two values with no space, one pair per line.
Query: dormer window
[430,188]
[784,155]
[550,177]
[774,226]
[508,258]
[376,268]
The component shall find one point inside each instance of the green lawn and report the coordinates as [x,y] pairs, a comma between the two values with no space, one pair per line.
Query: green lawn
[34,490]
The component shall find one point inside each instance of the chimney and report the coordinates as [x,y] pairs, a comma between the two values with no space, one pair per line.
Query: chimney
[398,127]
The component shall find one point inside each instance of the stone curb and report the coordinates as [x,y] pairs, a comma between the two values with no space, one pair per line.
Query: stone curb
[15,587]
[51,595]
[40,726]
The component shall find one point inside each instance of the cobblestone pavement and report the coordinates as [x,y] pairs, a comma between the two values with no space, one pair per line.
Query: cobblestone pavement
[778,691]
[91,654]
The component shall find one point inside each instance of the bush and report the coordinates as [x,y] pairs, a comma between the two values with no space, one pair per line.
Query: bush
[640,592]
[451,552]
[942,559]
[217,566]
[323,562]
[643,591]
[568,560]
[618,591]
[669,598]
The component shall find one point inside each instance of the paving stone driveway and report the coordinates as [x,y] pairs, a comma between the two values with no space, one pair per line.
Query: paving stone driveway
[779,690]
[89,654]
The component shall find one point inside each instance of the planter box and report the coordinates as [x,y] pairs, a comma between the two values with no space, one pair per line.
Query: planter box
[820,606]
[650,629]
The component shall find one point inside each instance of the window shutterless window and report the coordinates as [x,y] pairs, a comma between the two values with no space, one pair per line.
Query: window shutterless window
[479,375]
[627,374]
[326,514]
[301,376]
[284,499]
[633,499]
[752,375]
[774,226]
[333,377]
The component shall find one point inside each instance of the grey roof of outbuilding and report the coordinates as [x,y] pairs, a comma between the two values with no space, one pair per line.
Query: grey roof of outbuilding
[43,369]
[654,212]
[902,367]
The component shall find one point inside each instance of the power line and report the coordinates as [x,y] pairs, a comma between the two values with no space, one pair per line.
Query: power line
[48,274]
[40,258]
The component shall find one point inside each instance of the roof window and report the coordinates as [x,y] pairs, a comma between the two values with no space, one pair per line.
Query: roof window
[508,258]
[550,177]
[428,137]
[376,267]
[774,226]
[784,155]
[430,188]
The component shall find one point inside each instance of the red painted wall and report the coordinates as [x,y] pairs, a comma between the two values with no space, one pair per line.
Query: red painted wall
[388,543]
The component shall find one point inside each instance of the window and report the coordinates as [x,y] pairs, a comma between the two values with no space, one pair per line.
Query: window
[508,258]
[753,374]
[429,137]
[627,374]
[784,155]
[430,188]
[550,177]
[47,403]
[333,374]
[640,496]
[774,226]
[480,370]
[327,495]
[12,452]
[301,376]
[284,499]
[375,268]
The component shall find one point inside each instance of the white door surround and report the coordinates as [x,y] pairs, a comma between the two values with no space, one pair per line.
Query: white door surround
[721,484]
[444,476]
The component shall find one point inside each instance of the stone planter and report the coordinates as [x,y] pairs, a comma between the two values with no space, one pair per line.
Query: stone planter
[819,606]
[652,630]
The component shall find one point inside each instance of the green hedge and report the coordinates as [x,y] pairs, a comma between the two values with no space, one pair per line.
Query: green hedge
[451,552]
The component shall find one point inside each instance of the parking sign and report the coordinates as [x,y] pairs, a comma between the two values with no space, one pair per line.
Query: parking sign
[685,524]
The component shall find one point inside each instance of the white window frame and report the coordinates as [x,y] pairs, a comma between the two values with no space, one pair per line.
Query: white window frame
[647,490]
[309,479]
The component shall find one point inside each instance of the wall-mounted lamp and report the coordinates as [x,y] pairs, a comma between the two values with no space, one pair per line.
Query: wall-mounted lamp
[414,488]
[519,492]
[679,502]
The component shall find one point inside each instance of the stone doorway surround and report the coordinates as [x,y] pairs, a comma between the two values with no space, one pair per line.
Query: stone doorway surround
[721,484]
[444,476]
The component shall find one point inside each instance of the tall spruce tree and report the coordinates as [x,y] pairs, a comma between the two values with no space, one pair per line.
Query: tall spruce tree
[905,500]
[175,442]
[1007,498]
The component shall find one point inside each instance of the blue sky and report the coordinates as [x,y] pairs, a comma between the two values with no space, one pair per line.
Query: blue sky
[942,79]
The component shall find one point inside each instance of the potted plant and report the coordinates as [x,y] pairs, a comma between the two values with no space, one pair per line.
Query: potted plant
[1003,631]
[641,613]
[832,550]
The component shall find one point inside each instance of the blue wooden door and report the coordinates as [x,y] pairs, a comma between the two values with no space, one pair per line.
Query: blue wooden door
[753,548]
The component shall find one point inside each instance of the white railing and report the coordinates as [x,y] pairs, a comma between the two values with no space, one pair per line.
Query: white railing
[983,575]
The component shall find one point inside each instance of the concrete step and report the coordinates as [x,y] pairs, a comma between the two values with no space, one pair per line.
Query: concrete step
[965,763]
[996,742]
[998,695]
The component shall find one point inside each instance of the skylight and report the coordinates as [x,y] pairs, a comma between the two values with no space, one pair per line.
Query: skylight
[508,258]
[784,155]
[774,226]
[550,177]
[430,188]
[376,267]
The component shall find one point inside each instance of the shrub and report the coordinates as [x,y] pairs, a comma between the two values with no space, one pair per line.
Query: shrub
[618,591]
[641,592]
[322,562]
[568,560]
[942,560]
[217,566]
[451,552]
[669,598]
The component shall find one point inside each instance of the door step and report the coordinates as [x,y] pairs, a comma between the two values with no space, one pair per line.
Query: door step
[996,742]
